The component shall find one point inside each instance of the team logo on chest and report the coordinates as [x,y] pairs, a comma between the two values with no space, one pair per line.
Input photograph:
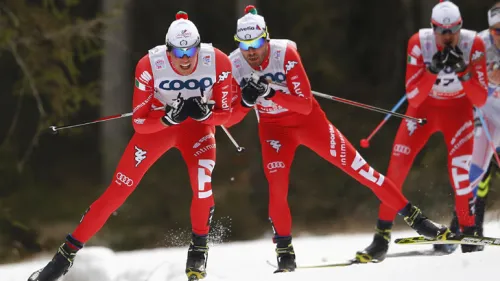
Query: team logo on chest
[190,84]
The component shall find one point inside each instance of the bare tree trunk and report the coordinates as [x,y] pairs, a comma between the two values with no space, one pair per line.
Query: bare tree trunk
[117,85]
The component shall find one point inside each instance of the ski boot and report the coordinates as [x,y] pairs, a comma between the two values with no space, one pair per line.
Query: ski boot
[197,257]
[481,197]
[471,230]
[424,226]
[377,250]
[449,248]
[60,263]
[285,254]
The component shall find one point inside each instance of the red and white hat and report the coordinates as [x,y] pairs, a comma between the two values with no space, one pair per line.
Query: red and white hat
[182,33]
[251,26]
[446,14]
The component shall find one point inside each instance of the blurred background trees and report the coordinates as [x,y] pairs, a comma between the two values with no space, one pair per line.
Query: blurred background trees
[68,61]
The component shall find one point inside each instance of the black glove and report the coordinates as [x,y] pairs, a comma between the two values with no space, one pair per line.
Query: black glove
[176,113]
[199,109]
[249,94]
[437,63]
[261,85]
[454,59]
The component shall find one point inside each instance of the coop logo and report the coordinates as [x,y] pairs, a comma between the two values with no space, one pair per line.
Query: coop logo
[123,179]
[276,77]
[275,165]
[190,84]
[401,149]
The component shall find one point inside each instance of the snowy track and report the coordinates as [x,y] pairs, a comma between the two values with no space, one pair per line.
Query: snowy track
[247,261]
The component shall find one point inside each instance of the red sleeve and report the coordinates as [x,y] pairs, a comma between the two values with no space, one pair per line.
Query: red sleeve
[221,91]
[419,81]
[300,98]
[145,120]
[476,88]
[238,111]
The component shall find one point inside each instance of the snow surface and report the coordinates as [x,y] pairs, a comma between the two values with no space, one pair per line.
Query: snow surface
[247,261]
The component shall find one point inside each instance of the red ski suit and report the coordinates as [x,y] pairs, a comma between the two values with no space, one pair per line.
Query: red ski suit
[447,103]
[152,138]
[292,117]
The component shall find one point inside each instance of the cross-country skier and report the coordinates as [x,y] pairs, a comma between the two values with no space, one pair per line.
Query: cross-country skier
[483,162]
[483,152]
[289,116]
[191,81]
[445,78]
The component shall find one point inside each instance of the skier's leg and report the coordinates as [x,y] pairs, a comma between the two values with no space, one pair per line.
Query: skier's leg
[197,146]
[141,152]
[458,131]
[479,174]
[328,142]
[278,146]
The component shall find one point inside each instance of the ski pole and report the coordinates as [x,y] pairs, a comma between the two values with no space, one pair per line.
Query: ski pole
[420,121]
[55,130]
[239,148]
[488,136]
[365,143]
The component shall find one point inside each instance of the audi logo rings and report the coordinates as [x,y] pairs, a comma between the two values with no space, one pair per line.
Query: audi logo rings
[122,178]
[275,165]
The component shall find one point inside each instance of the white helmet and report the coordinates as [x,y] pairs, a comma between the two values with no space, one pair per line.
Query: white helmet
[446,16]
[251,26]
[182,33]
[494,15]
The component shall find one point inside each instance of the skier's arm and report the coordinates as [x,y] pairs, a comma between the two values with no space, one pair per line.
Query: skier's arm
[221,91]
[419,80]
[300,98]
[476,88]
[238,111]
[144,119]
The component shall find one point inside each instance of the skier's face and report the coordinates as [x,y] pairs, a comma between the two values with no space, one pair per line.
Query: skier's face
[447,38]
[495,34]
[255,56]
[447,35]
[184,61]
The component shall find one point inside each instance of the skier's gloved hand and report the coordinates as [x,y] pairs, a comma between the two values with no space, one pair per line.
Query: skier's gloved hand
[455,59]
[199,109]
[437,63]
[175,113]
[249,94]
[261,85]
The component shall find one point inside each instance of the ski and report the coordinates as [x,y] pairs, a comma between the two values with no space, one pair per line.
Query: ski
[326,265]
[461,239]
